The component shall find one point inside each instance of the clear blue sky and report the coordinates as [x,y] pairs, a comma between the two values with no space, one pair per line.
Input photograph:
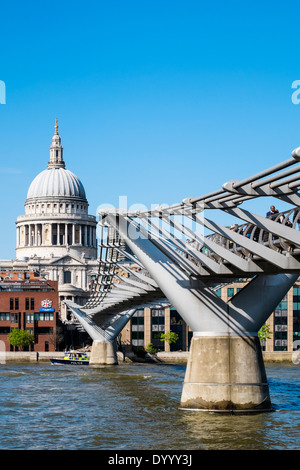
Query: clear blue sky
[156,100]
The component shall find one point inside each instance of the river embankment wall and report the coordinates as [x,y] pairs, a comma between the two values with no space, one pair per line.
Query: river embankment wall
[277,356]
[164,357]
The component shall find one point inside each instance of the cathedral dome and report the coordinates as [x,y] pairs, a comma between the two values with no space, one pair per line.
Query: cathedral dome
[56,181]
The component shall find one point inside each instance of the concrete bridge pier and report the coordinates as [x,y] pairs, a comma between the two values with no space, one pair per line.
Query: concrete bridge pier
[104,350]
[225,371]
[104,347]
[104,353]
[225,374]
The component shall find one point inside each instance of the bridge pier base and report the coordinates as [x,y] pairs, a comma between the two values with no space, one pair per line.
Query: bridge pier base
[103,353]
[226,374]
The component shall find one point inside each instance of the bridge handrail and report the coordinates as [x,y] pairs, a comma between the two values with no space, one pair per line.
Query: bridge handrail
[251,231]
[259,235]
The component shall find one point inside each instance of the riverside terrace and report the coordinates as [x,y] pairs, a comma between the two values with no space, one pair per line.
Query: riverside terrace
[225,371]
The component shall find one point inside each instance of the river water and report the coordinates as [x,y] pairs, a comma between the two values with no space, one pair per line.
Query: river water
[134,406]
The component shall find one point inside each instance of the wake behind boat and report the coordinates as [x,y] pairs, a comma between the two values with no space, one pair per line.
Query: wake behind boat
[76,358]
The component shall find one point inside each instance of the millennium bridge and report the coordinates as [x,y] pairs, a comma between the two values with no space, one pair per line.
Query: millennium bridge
[176,255]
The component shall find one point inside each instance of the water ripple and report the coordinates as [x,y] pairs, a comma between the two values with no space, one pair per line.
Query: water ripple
[133,406]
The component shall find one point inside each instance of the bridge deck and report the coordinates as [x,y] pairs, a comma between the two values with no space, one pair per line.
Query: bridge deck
[257,245]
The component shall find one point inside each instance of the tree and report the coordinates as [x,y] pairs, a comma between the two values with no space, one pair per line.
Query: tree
[169,337]
[150,349]
[264,332]
[20,338]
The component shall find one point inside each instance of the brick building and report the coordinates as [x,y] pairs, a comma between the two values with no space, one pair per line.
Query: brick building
[30,303]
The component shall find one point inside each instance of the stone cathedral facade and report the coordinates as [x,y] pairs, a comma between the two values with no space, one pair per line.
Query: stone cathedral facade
[56,237]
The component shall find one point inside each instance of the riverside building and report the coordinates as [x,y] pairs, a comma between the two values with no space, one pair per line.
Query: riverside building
[30,303]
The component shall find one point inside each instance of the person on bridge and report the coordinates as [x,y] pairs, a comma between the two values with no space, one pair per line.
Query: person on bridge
[272,212]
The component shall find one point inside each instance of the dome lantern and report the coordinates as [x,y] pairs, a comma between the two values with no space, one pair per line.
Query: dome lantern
[56,151]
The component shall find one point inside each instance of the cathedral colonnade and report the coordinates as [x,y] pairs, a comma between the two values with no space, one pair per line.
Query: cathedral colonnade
[56,234]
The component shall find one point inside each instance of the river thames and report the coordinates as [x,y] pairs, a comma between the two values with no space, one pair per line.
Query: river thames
[134,406]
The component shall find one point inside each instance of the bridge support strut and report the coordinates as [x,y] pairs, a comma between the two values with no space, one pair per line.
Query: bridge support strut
[104,347]
[225,370]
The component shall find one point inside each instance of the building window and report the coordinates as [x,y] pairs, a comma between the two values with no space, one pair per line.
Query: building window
[177,325]
[4,316]
[137,325]
[67,277]
[158,320]
[280,326]
[157,327]
[230,292]
[4,330]
[27,303]
[14,317]
[137,338]
[44,316]
[137,328]
[29,317]
[296,316]
[32,304]
[14,303]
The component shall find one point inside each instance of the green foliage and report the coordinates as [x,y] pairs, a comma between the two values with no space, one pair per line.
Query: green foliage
[150,349]
[20,338]
[264,333]
[169,337]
